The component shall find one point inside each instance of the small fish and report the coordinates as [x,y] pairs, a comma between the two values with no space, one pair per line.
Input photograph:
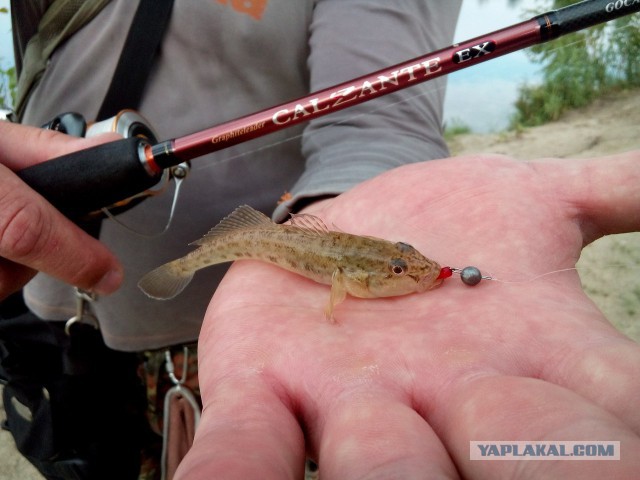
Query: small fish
[362,266]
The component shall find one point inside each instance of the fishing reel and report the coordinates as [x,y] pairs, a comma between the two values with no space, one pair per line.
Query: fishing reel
[100,176]
[128,124]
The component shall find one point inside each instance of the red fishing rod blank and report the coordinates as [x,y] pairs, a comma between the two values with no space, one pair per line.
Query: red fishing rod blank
[98,177]
[539,29]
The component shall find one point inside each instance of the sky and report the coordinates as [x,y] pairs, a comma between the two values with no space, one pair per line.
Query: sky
[481,97]
[6,48]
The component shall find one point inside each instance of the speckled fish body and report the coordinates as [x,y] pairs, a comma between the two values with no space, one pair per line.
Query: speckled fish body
[361,266]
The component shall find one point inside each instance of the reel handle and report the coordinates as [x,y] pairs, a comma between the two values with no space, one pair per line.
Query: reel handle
[91,179]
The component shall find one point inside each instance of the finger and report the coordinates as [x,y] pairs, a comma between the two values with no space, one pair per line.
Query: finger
[501,408]
[603,191]
[367,437]
[606,374]
[23,146]
[34,234]
[598,363]
[246,431]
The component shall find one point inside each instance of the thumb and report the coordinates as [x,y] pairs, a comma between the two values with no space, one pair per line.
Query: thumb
[22,146]
[603,192]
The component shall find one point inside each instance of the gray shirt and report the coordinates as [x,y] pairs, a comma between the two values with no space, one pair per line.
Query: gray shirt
[222,59]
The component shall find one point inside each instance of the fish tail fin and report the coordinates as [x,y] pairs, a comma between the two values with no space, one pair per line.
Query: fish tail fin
[165,282]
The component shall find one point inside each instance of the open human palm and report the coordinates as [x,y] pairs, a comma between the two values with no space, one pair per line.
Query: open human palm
[398,387]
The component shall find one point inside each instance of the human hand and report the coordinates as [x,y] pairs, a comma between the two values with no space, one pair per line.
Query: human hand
[399,387]
[34,236]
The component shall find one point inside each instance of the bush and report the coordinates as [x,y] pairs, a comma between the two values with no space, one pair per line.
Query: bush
[580,67]
[457,127]
[7,81]
[8,84]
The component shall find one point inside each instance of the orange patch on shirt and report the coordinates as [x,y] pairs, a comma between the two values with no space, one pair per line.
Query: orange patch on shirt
[286,196]
[253,8]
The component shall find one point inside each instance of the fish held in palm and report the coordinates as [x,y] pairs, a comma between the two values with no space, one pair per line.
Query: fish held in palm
[361,266]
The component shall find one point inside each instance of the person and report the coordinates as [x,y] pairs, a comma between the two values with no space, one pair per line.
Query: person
[399,387]
[220,60]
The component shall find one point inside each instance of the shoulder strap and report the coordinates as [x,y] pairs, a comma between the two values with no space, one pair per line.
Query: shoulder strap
[61,20]
[137,57]
[65,17]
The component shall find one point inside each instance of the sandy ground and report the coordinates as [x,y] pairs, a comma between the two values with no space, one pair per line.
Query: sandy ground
[609,268]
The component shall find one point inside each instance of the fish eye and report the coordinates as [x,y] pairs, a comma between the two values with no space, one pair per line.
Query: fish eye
[398,266]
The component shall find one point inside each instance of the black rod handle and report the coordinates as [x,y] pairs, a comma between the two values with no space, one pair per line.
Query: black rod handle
[88,180]
[584,15]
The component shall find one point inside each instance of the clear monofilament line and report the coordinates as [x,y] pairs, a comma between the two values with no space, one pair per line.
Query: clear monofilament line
[472,276]
[532,279]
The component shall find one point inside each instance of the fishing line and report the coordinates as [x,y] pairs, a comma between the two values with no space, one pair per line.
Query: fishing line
[472,276]
[427,89]
[378,106]
[176,194]
[104,175]
[532,279]
[188,145]
[384,106]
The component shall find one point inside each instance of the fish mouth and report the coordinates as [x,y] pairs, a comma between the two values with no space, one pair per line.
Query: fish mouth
[427,283]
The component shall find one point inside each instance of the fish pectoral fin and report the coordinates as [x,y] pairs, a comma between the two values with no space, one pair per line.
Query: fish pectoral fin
[338,293]
[357,284]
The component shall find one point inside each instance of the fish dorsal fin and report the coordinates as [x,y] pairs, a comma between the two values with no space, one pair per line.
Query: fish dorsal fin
[309,223]
[242,218]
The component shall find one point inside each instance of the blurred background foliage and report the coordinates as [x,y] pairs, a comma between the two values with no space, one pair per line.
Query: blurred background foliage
[580,67]
[7,81]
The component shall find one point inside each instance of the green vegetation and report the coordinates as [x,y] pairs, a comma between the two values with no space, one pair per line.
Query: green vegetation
[579,68]
[457,127]
[7,82]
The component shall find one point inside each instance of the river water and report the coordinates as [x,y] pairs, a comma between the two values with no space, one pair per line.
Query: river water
[482,97]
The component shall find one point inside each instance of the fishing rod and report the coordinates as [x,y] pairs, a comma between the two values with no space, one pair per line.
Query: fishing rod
[88,180]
